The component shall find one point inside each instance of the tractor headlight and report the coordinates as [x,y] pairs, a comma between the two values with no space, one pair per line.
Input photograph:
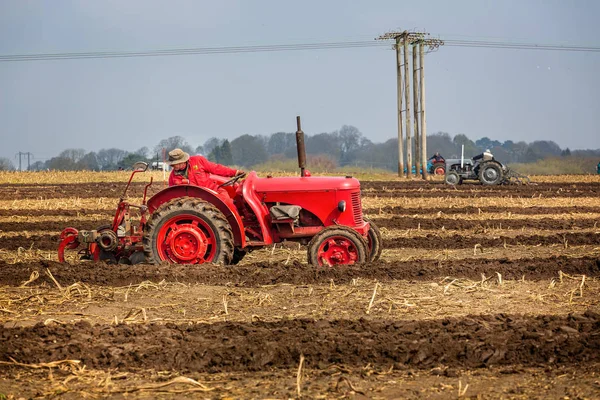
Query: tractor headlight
[342,206]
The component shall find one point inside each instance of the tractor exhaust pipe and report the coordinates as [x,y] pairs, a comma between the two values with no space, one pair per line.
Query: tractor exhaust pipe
[300,147]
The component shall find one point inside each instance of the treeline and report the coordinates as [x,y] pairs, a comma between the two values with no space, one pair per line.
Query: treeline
[344,147]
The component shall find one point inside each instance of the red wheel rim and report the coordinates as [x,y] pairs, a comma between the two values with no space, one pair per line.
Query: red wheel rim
[439,171]
[337,250]
[186,239]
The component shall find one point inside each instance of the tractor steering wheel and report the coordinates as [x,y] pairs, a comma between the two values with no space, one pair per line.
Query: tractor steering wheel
[233,180]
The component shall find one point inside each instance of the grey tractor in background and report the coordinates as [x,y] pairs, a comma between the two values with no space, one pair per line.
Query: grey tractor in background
[483,168]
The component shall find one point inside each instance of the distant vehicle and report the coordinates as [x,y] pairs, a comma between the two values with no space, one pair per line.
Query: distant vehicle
[436,165]
[158,165]
[486,170]
[437,168]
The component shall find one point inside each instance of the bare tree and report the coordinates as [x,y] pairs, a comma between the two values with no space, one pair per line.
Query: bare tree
[75,155]
[211,144]
[6,164]
[89,162]
[142,152]
[349,141]
[174,142]
[109,158]
[248,150]
[279,142]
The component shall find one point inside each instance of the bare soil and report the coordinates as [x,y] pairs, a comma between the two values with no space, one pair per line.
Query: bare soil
[475,341]
[370,188]
[497,327]
[295,273]
[429,241]
[394,222]
[451,210]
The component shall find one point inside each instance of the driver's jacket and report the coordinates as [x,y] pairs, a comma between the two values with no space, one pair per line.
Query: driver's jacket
[198,172]
[437,159]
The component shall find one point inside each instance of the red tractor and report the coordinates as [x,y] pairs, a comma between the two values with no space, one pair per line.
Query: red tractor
[187,224]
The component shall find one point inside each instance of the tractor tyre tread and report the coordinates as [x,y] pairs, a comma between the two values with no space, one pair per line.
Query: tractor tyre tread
[452,174]
[375,237]
[186,203]
[485,166]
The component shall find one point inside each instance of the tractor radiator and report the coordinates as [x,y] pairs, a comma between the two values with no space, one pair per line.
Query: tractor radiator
[357,208]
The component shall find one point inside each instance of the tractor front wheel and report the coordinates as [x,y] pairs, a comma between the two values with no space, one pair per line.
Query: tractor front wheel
[452,178]
[187,230]
[490,173]
[374,241]
[337,245]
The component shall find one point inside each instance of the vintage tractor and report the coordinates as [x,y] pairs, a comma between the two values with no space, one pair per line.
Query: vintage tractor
[436,167]
[433,168]
[488,172]
[187,224]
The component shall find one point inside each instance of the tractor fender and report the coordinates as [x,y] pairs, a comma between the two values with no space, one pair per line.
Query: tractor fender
[503,167]
[494,161]
[210,196]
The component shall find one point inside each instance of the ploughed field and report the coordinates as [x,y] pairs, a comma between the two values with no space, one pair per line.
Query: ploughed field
[480,292]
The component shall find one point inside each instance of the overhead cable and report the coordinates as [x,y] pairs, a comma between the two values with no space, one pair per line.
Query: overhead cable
[285,47]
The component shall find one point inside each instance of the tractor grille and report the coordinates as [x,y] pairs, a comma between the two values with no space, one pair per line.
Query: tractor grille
[357,208]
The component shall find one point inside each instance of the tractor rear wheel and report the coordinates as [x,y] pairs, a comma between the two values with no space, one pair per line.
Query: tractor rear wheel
[188,230]
[337,245]
[452,178]
[374,241]
[490,173]
[439,168]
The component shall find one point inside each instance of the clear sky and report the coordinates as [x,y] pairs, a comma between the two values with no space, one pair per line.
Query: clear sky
[48,106]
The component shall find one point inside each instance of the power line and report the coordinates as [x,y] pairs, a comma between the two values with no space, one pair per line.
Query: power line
[190,51]
[286,47]
[521,46]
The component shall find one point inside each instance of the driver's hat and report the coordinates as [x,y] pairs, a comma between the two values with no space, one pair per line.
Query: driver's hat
[177,156]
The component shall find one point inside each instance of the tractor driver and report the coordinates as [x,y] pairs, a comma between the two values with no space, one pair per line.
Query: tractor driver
[478,159]
[436,158]
[485,156]
[196,170]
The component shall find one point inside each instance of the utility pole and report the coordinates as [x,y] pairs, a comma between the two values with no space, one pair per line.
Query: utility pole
[423,119]
[400,132]
[417,40]
[28,160]
[409,160]
[29,157]
[416,88]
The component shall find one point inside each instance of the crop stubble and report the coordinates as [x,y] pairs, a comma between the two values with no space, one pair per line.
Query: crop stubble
[502,304]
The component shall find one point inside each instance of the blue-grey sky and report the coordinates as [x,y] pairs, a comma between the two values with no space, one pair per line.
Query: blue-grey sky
[48,106]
